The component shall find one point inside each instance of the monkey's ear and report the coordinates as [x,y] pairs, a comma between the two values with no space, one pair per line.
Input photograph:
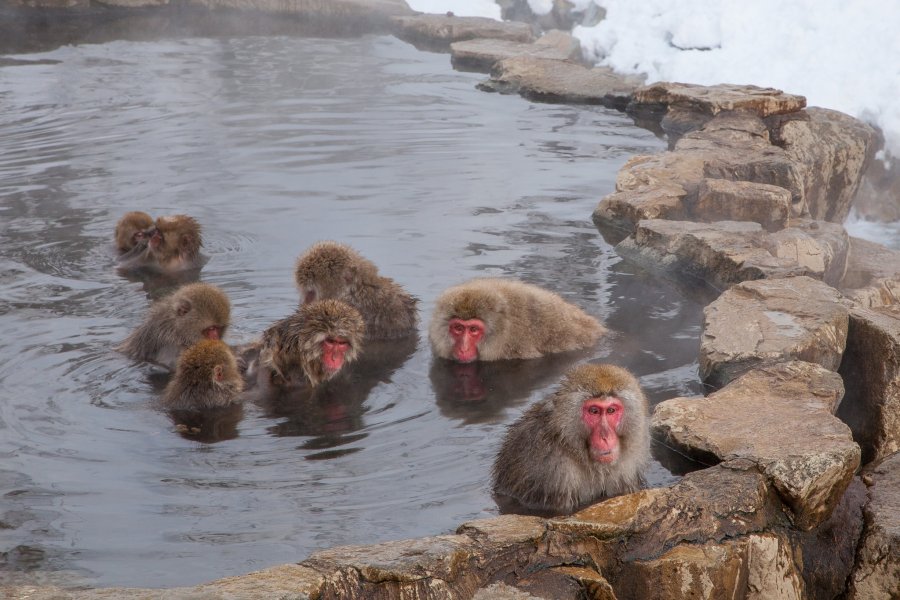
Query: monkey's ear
[183,308]
[218,373]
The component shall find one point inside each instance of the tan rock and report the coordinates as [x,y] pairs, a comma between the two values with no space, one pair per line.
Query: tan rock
[832,151]
[780,418]
[772,320]
[723,200]
[558,81]
[819,247]
[437,32]
[877,572]
[872,278]
[481,54]
[871,370]
[714,99]
[729,252]
[758,567]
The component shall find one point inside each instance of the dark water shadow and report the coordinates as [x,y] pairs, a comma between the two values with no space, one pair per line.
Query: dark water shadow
[209,425]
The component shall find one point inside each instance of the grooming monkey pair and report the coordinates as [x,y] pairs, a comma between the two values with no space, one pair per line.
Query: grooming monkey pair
[587,440]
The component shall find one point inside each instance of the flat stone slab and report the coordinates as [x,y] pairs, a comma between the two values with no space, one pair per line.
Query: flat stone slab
[549,80]
[438,32]
[724,200]
[481,54]
[877,572]
[772,320]
[728,252]
[780,417]
[873,274]
[871,366]
[713,99]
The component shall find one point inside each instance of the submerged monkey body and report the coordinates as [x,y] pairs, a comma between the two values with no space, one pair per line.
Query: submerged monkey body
[549,460]
[169,244]
[337,271]
[520,321]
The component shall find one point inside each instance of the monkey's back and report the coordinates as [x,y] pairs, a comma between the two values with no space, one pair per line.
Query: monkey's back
[389,311]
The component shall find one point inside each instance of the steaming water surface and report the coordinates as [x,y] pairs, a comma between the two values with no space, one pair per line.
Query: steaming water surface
[274,143]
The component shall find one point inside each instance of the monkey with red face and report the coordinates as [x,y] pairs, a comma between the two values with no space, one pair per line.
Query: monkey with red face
[196,311]
[588,440]
[494,319]
[311,346]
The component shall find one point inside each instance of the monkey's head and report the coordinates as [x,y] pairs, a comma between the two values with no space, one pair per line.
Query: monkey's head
[133,230]
[469,321]
[605,404]
[329,270]
[201,311]
[174,238]
[326,335]
[209,362]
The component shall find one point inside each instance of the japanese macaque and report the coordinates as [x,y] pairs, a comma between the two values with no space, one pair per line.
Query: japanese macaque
[133,231]
[494,319]
[312,345]
[332,270]
[589,439]
[172,245]
[176,322]
[206,376]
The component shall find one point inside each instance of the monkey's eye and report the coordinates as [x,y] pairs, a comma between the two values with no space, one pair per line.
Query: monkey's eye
[594,410]
[610,410]
[458,329]
[474,329]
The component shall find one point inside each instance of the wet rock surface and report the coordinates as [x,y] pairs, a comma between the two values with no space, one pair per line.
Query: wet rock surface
[549,80]
[481,54]
[772,320]
[808,454]
[437,32]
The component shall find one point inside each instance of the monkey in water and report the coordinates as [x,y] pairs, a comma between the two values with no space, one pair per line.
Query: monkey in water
[333,270]
[312,345]
[494,319]
[589,439]
[206,376]
[174,323]
[133,231]
[171,245]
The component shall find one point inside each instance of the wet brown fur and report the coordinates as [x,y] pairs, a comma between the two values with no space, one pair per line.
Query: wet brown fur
[544,461]
[337,271]
[521,320]
[131,224]
[176,322]
[181,242]
[206,377]
[295,343]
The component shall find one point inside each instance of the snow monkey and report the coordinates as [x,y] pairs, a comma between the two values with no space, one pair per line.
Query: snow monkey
[171,245]
[133,231]
[312,345]
[495,319]
[206,376]
[587,440]
[174,323]
[333,270]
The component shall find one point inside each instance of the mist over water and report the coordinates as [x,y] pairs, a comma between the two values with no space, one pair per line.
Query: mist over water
[273,143]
